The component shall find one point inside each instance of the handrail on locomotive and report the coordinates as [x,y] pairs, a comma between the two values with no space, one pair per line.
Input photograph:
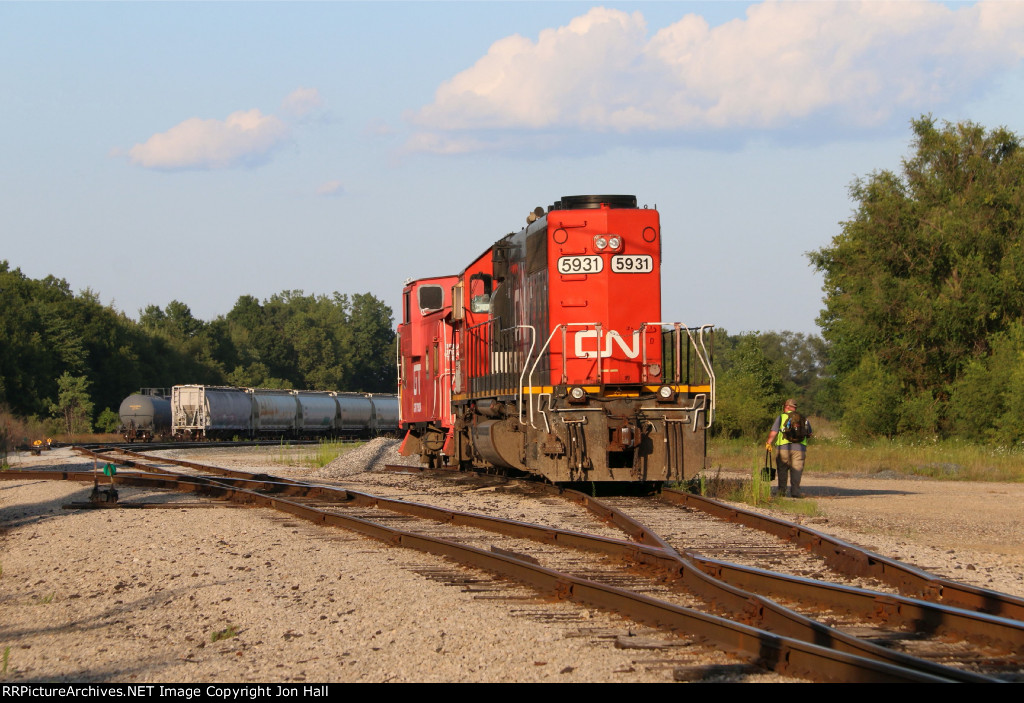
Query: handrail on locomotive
[701,352]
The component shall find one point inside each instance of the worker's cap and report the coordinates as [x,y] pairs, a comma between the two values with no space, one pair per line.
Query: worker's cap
[790,403]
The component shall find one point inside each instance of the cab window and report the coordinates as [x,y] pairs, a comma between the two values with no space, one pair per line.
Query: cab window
[431,299]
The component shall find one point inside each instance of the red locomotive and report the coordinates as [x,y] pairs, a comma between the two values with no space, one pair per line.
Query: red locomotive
[547,354]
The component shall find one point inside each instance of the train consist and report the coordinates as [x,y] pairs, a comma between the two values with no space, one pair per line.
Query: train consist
[548,354]
[224,412]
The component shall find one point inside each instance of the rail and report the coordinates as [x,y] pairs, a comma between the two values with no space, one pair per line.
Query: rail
[856,561]
[995,616]
[820,653]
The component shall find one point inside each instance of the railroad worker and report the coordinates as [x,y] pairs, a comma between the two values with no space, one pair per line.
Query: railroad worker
[789,435]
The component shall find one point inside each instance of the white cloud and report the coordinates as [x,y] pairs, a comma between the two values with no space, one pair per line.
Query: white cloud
[302,101]
[570,75]
[851,64]
[331,189]
[243,139]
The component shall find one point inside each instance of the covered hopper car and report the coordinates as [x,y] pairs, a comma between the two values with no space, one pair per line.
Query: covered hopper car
[548,354]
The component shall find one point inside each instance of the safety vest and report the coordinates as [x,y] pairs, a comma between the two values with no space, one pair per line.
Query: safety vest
[780,438]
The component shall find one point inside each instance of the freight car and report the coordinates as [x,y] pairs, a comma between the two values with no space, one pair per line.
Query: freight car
[547,354]
[211,412]
[224,412]
[145,415]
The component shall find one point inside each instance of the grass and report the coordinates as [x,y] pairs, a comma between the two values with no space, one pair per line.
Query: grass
[85,438]
[285,453]
[313,457]
[6,660]
[949,460]
[329,450]
[797,506]
[756,491]
[225,634]
[830,453]
[325,451]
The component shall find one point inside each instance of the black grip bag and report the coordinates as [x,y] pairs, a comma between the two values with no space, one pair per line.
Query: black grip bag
[768,472]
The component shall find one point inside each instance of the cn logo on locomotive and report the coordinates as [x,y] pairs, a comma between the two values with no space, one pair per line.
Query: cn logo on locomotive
[611,336]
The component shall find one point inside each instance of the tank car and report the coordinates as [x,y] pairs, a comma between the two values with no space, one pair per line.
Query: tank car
[548,354]
[355,414]
[145,415]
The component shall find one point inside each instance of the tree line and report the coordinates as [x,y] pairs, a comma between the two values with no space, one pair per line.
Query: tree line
[756,371]
[59,346]
[923,322]
[924,291]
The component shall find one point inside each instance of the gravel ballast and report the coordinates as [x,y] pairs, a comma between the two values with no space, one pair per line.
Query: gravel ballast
[235,594]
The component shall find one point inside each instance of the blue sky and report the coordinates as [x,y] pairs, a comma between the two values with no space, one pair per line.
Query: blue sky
[199,152]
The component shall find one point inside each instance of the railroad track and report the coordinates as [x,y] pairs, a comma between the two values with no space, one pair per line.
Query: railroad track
[717,534]
[853,600]
[837,593]
[847,558]
[205,444]
[678,595]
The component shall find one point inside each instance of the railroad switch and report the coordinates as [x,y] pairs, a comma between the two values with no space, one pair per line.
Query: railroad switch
[103,495]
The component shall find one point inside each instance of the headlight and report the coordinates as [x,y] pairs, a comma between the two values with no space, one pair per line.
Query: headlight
[615,243]
[600,243]
[666,393]
[577,395]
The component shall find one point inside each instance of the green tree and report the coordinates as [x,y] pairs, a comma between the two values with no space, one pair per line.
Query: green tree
[749,388]
[987,400]
[872,400]
[801,360]
[312,342]
[928,269]
[371,361]
[108,421]
[292,340]
[73,407]
[37,335]
[176,322]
